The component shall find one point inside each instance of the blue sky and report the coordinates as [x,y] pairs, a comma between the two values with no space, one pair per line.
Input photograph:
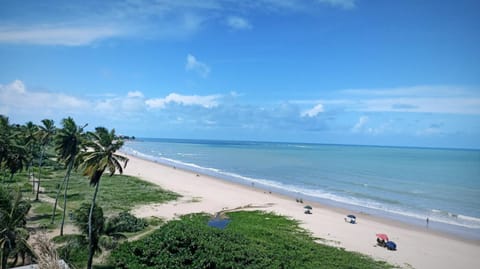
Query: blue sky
[401,73]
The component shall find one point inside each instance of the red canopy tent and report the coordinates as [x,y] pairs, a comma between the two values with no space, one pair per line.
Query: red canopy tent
[384,237]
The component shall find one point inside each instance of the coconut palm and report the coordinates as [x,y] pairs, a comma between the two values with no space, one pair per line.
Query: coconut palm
[30,141]
[13,233]
[45,134]
[69,142]
[4,140]
[100,157]
[13,156]
[16,159]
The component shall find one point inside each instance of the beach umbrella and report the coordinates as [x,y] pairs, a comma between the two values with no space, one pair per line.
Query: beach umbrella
[352,216]
[390,245]
[308,207]
[384,237]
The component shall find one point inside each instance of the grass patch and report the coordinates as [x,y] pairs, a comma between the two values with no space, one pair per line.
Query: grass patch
[117,193]
[42,214]
[133,192]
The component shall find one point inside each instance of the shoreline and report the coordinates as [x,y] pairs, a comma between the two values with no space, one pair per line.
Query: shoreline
[440,226]
[417,247]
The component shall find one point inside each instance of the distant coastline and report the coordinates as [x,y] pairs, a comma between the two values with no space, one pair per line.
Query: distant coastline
[227,141]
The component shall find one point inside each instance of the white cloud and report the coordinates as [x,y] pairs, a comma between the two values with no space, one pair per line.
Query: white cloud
[238,23]
[360,124]
[133,94]
[206,101]
[314,111]
[57,35]
[79,23]
[429,131]
[17,100]
[16,96]
[194,65]
[345,4]
[16,86]
[122,105]
[422,105]
[416,99]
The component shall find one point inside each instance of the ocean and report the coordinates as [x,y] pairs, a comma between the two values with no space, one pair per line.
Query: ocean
[402,184]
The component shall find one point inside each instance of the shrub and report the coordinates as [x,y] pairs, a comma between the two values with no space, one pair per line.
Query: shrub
[74,251]
[251,240]
[126,222]
[188,244]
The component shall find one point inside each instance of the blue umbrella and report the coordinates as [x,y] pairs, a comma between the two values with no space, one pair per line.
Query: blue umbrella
[352,216]
[390,245]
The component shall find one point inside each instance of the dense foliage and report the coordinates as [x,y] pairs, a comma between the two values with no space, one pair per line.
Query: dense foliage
[126,222]
[74,249]
[251,240]
[188,244]
[13,230]
[56,158]
[98,223]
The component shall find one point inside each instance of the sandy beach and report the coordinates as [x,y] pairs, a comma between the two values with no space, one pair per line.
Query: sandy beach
[417,247]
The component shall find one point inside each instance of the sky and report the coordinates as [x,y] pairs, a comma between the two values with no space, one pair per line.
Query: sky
[368,72]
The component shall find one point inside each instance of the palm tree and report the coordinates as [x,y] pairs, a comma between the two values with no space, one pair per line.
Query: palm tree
[69,142]
[30,141]
[13,233]
[16,159]
[14,156]
[4,141]
[100,157]
[45,134]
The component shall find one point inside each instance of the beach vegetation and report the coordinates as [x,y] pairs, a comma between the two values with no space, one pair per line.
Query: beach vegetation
[72,248]
[30,152]
[69,141]
[13,230]
[47,255]
[45,134]
[13,153]
[126,222]
[106,234]
[101,156]
[251,240]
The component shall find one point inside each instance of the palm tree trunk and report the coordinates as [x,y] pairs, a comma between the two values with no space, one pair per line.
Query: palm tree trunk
[4,254]
[15,260]
[39,172]
[30,170]
[58,193]
[65,199]
[91,249]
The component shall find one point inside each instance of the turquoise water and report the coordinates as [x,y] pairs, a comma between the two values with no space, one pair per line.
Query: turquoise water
[407,184]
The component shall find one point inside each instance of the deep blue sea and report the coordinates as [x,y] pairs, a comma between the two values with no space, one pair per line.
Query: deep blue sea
[404,184]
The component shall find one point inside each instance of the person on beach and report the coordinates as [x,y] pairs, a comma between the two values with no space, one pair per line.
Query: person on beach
[427,221]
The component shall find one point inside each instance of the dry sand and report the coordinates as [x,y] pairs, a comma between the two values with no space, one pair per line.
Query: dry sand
[417,247]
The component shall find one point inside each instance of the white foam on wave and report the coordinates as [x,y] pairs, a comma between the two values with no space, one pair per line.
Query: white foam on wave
[186,154]
[455,219]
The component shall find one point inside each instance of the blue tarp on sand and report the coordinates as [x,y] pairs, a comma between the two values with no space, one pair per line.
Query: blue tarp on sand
[218,223]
